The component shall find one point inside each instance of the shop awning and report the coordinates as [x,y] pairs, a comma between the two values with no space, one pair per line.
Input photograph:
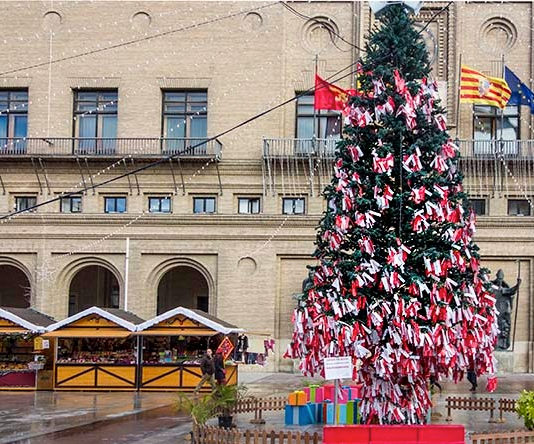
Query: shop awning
[88,333]
[9,331]
[23,320]
[186,322]
[176,332]
[96,322]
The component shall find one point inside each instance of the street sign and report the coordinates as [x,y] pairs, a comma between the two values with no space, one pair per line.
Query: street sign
[338,368]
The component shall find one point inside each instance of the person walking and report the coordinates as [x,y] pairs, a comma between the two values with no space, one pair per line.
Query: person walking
[472,376]
[220,373]
[207,367]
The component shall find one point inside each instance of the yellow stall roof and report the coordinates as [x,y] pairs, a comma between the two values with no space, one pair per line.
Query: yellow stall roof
[96,322]
[182,321]
[23,320]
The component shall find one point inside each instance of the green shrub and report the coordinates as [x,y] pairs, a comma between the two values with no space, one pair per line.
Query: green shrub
[525,408]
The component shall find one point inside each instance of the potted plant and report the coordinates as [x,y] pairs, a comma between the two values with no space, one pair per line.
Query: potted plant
[525,408]
[200,409]
[225,399]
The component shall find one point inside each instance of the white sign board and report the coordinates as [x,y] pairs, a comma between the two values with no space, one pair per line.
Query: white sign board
[338,368]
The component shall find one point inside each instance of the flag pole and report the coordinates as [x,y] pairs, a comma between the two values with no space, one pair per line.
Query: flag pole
[501,143]
[314,109]
[502,109]
[458,98]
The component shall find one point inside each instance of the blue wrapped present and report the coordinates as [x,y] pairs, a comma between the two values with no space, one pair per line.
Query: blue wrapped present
[299,415]
[342,414]
[328,413]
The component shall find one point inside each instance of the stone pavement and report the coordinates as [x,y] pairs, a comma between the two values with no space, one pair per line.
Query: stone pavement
[28,415]
[149,418]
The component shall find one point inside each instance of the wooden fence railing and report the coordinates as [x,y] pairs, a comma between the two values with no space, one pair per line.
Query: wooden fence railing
[471,404]
[258,405]
[515,437]
[215,435]
[506,405]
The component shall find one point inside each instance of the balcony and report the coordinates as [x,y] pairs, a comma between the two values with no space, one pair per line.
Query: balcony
[68,147]
[494,148]
[299,148]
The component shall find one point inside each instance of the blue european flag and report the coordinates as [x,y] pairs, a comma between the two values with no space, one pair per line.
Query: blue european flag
[521,93]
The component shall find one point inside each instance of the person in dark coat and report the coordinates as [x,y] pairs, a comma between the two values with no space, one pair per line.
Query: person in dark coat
[472,376]
[207,367]
[220,373]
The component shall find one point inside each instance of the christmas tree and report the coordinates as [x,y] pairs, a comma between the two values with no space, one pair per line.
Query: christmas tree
[398,285]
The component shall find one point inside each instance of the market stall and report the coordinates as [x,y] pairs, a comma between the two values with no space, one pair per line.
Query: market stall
[26,361]
[96,350]
[173,344]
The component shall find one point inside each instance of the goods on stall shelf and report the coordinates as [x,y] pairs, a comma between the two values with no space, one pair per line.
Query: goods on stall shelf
[173,344]
[22,352]
[173,349]
[96,350]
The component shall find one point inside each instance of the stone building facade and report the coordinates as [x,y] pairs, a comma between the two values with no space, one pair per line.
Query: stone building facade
[92,90]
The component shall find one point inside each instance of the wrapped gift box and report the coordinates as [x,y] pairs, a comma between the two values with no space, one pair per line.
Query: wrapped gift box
[350,412]
[313,393]
[319,394]
[299,415]
[343,396]
[297,398]
[328,391]
[328,413]
[342,414]
[317,411]
[353,411]
[355,392]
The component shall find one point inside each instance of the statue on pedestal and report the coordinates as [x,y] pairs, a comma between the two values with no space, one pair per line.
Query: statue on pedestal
[308,282]
[504,295]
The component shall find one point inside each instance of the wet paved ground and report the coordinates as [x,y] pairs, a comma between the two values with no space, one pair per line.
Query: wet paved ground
[149,418]
[25,415]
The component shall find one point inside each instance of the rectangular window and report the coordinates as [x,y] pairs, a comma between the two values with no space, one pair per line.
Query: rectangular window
[159,204]
[72,204]
[327,127]
[518,207]
[95,121]
[487,130]
[293,205]
[478,206]
[115,204]
[203,303]
[13,121]
[185,120]
[249,205]
[203,205]
[24,202]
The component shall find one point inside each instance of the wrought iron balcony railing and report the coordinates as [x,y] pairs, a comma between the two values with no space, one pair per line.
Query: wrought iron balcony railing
[494,148]
[323,148]
[109,147]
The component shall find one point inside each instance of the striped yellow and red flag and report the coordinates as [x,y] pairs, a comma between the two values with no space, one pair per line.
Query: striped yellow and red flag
[480,89]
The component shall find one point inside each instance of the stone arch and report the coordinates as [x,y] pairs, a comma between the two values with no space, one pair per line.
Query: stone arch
[104,279]
[16,284]
[162,270]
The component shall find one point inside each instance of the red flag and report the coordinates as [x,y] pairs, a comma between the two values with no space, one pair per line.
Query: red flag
[328,96]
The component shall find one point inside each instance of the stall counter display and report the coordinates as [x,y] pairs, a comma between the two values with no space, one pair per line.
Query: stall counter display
[16,353]
[21,364]
[173,345]
[96,350]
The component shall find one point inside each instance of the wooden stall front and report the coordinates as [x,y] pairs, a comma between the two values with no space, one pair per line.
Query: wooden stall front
[26,361]
[173,344]
[96,350]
